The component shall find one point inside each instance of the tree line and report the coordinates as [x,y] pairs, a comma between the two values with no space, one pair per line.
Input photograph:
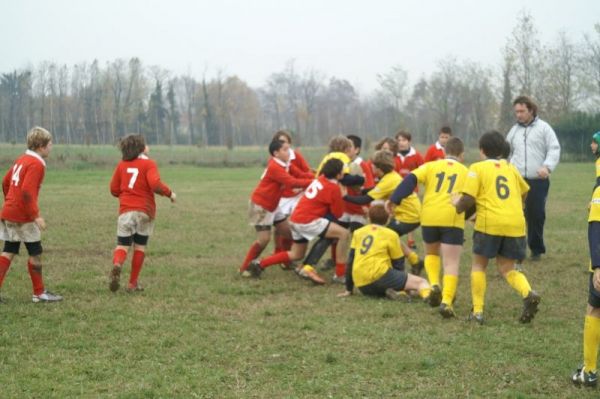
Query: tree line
[90,103]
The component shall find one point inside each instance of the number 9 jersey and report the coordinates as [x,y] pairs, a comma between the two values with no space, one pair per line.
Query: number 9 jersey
[135,182]
[374,248]
[497,188]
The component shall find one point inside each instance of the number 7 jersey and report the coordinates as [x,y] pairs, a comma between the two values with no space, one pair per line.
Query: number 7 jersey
[135,182]
[497,188]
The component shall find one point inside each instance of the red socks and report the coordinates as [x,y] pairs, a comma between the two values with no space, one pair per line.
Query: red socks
[119,257]
[280,257]
[4,265]
[340,269]
[136,266]
[252,254]
[36,278]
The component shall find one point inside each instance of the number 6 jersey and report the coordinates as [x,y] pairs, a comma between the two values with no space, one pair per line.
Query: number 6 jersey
[21,186]
[135,182]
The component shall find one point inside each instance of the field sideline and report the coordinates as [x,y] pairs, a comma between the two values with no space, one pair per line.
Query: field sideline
[199,330]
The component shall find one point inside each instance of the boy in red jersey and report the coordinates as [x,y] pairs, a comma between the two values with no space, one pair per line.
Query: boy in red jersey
[134,182]
[278,175]
[290,195]
[436,150]
[20,219]
[322,197]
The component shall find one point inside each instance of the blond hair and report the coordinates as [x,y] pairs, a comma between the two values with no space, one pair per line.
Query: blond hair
[383,160]
[38,137]
[339,144]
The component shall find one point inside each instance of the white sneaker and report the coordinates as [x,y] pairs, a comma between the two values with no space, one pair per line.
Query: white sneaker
[46,296]
[338,279]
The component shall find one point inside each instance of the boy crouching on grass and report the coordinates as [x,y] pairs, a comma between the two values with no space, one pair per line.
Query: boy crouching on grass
[20,219]
[134,182]
[376,262]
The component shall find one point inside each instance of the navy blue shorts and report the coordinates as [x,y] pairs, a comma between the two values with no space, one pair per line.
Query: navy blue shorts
[490,246]
[445,235]
[594,242]
[393,278]
[594,296]
[402,228]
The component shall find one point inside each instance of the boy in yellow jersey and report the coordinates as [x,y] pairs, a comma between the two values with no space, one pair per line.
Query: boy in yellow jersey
[587,375]
[498,191]
[406,216]
[376,262]
[441,225]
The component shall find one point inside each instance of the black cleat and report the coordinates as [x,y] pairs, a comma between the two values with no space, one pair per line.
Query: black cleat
[255,269]
[446,311]
[115,275]
[530,307]
[435,297]
[477,317]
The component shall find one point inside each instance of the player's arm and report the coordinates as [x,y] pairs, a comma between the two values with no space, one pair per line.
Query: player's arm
[6,181]
[429,154]
[364,199]
[337,203]
[282,177]
[115,183]
[463,202]
[404,189]
[154,182]
[299,173]
[29,190]
[302,164]
[352,180]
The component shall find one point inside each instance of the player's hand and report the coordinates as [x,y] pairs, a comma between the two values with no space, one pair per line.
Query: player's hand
[389,206]
[543,172]
[596,279]
[455,199]
[344,294]
[40,222]
[173,197]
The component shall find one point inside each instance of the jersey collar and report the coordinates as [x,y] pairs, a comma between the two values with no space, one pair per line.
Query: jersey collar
[292,155]
[280,162]
[438,145]
[36,155]
[410,153]
[357,160]
[143,156]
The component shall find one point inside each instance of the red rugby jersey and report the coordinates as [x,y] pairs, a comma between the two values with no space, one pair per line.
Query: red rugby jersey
[355,209]
[277,176]
[410,161]
[323,196]
[21,186]
[135,182]
[299,162]
[435,152]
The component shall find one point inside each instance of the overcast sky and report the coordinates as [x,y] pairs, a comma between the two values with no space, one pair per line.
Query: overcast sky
[354,40]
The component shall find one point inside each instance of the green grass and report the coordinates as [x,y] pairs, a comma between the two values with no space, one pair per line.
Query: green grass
[199,330]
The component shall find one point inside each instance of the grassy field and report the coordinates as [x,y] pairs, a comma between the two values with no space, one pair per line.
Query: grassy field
[201,331]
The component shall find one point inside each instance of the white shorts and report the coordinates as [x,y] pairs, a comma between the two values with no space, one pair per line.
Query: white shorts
[134,222]
[352,218]
[20,232]
[259,216]
[308,231]
[286,206]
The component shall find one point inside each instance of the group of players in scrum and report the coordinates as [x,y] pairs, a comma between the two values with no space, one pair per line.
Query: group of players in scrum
[329,206]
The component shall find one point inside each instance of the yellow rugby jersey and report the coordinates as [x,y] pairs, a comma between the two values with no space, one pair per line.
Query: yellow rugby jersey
[594,215]
[409,210]
[336,155]
[441,178]
[497,188]
[374,248]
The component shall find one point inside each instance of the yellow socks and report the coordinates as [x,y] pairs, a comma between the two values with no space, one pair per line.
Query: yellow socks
[413,258]
[449,290]
[424,293]
[519,282]
[433,266]
[591,339]
[478,286]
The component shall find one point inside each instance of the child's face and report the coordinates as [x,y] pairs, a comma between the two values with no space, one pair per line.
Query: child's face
[377,172]
[45,151]
[403,143]
[443,139]
[283,154]
[353,152]
[386,147]
[594,147]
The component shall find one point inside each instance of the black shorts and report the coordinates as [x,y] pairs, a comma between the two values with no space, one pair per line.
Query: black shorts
[402,228]
[594,242]
[490,246]
[594,296]
[393,278]
[445,235]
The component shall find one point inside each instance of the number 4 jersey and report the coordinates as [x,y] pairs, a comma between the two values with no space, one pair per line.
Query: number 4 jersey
[135,182]
[497,188]
[21,186]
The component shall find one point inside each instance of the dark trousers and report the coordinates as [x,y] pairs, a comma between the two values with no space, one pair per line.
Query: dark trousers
[535,214]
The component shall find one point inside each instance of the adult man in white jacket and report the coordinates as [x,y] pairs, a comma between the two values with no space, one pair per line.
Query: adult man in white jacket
[535,151]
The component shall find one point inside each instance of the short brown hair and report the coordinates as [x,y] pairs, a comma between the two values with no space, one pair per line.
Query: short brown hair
[339,144]
[404,134]
[454,146]
[378,215]
[528,102]
[393,144]
[38,137]
[284,133]
[132,146]
[384,160]
[446,130]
